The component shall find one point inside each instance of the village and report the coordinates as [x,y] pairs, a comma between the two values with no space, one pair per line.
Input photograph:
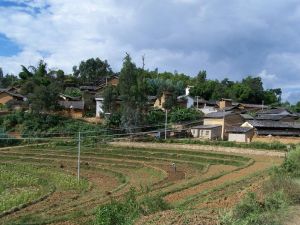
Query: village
[221,120]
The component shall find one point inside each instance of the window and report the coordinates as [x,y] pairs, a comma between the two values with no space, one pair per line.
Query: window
[207,132]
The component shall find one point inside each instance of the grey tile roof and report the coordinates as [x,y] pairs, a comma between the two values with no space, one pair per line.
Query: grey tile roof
[275,111]
[205,126]
[72,104]
[247,116]
[239,129]
[18,96]
[273,124]
[220,114]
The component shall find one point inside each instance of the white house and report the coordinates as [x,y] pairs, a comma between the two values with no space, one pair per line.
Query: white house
[99,106]
[187,99]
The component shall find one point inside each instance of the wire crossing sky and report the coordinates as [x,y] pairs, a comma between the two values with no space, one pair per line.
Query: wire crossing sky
[227,38]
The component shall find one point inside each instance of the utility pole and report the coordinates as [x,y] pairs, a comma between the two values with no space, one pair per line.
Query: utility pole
[166,122]
[197,102]
[78,163]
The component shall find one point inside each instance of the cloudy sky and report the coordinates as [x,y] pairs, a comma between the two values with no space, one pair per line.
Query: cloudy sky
[227,38]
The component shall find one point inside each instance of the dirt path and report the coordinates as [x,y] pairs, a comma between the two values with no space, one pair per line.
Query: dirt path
[209,148]
[295,217]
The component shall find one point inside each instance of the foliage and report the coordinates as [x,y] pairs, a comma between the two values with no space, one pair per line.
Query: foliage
[92,70]
[249,90]
[183,114]
[113,120]
[125,212]
[292,163]
[132,93]
[8,81]
[251,211]
[41,124]
[110,96]
[45,98]
[73,92]
[155,116]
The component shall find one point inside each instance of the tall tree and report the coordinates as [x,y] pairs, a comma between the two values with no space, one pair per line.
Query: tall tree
[132,93]
[1,73]
[91,70]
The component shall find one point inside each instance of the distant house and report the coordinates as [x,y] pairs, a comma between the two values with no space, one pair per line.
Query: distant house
[185,101]
[74,109]
[159,102]
[225,119]
[273,128]
[101,84]
[14,100]
[99,106]
[6,96]
[246,117]
[210,132]
[64,97]
[277,114]
[240,134]
[252,107]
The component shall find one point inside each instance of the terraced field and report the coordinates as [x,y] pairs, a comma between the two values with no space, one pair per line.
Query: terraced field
[39,185]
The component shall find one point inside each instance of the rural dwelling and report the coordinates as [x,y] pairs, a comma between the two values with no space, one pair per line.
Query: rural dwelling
[225,119]
[64,97]
[159,102]
[74,109]
[225,103]
[101,84]
[185,101]
[274,128]
[6,96]
[277,114]
[240,134]
[210,132]
[206,106]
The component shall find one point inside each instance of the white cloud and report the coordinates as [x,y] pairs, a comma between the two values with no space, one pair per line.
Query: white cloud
[225,38]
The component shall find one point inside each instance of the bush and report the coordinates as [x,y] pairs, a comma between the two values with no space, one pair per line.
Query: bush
[250,211]
[153,204]
[156,116]
[41,124]
[125,212]
[183,114]
[292,163]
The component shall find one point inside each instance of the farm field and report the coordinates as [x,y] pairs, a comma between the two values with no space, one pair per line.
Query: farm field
[39,182]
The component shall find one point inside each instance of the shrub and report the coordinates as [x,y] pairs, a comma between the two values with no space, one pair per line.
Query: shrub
[292,163]
[125,212]
[280,180]
[250,211]
[183,114]
[153,204]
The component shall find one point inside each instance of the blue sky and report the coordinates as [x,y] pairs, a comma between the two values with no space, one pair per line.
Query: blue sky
[227,38]
[8,47]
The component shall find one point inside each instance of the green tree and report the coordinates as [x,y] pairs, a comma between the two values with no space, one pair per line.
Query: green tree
[91,70]
[132,93]
[1,73]
[73,92]
[44,98]
[110,96]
